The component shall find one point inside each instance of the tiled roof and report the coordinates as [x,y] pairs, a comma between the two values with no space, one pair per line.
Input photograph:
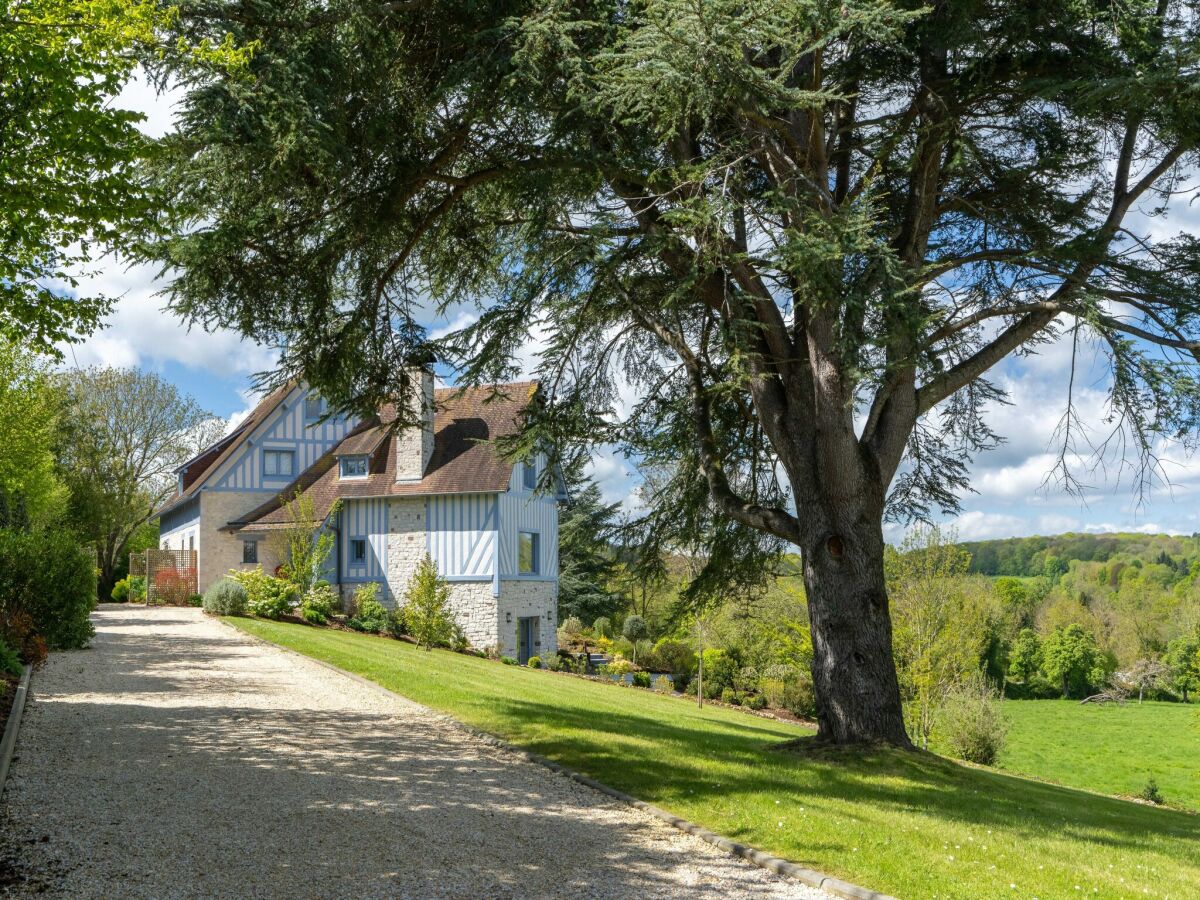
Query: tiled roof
[200,467]
[463,462]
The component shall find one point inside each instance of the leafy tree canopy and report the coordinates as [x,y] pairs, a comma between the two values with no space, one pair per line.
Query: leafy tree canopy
[29,411]
[804,232]
[70,177]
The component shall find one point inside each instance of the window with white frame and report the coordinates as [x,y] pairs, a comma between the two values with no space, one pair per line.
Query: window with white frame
[354,467]
[250,552]
[279,463]
[358,551]
[529,475]
[528,552]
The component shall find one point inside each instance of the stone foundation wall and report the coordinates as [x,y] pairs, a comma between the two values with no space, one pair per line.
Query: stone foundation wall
[528,598]
[475,610]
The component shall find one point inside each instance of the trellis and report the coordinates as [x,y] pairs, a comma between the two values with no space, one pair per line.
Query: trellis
[170,575]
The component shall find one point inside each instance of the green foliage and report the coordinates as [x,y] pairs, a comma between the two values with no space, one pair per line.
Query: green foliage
[369,614]
[571,626]
[29,415]
[586,564]
[664,684]
[509,661]
[941,623]
[122,434]
[971,723]
[535,662]
[426,607]
[195,600]
[671,655]
[48,576]
[120,591]
[319,604]
[1026,656]
[1150,792]
[1071,658]
[618,666]
[305,544]
[602,627]
[641,679]
[756,701]
[225,597]
[266,595]
[635,628]
[10,660]
[1183,661]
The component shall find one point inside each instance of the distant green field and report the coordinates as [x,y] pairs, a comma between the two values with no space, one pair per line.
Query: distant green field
[910,824]
[1111,749]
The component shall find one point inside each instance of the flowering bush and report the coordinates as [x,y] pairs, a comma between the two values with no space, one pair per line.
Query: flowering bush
[319,603]
[619,666]
[369,614]
[266,596]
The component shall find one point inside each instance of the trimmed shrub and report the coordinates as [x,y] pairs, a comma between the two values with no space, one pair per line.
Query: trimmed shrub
[195,600]
[641,679]
[319,603]
[509,661]
[225,598]
[720,667]
[369,614]
[535,662]
[756,701]
[47,575]
[619,666]
[682,682]
[10,660]
[971,722]
[120,590]
[729,695]
[602,627]
[635,628]
[554,663]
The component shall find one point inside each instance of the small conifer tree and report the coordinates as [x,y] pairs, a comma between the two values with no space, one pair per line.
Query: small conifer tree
[427,606]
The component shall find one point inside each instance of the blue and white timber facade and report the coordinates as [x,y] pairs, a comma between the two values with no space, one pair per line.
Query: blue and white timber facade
[490,527]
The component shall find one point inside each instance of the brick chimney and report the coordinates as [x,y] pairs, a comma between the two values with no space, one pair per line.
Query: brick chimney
[414,444]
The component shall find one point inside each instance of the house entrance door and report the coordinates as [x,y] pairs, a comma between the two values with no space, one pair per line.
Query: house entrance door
[526,638]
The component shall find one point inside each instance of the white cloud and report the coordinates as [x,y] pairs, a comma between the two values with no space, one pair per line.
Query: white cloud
[140,332]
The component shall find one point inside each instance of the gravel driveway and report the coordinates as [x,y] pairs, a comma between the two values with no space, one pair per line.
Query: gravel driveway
[177,758]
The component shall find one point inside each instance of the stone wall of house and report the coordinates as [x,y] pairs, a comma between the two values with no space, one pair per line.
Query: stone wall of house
[221,551]
[475,610]
[405,545]
[528,598]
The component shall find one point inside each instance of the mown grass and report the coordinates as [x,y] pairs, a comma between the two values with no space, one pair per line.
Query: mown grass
[1112,749]
[913,825]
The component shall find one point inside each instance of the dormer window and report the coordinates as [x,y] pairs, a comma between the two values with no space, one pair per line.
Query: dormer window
[314,406]
[529,475]
[353,467]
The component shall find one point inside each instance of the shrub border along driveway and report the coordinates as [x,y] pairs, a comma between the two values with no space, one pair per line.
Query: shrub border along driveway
[8,744]
[775,864]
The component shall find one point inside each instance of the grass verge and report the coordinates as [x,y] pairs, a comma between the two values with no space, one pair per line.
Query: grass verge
[908,824]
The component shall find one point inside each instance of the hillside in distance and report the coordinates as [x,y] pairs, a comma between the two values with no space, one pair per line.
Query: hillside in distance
[1052,555]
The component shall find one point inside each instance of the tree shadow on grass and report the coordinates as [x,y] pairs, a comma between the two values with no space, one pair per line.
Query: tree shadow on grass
[752,763]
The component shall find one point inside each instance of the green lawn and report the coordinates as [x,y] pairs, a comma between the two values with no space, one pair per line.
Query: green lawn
[1112,749]
[913,825]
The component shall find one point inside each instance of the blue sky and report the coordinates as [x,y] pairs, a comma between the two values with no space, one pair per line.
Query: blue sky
[1013,496]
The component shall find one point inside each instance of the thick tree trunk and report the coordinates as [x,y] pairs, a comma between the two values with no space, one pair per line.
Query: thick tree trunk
[854,674]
